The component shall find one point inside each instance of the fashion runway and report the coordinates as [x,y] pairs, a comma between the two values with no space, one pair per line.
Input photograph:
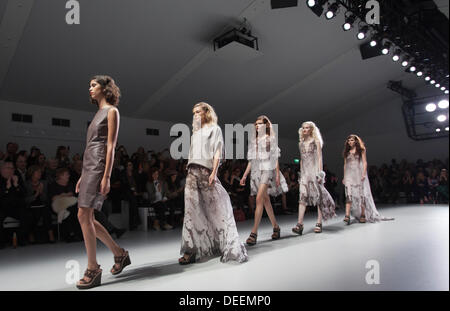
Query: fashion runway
[412,252]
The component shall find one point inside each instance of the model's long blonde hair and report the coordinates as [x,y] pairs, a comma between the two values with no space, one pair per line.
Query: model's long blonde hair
[210,114]
[315,133]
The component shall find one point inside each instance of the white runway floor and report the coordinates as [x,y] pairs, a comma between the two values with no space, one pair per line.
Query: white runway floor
[412,252]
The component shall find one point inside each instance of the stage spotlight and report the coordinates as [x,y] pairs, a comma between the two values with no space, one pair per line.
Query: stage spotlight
[443,104]
[437,85]
[316,6]
[438,130]
[332,9]
[430,107]
[405,62]
[427,78]
[363,32]
[446,92]
[419,71]
[413,68]
[446,128]
[374,42]
[432,82]
[442,118]
[386,48]
[443,88]
[311,3]
[396,56]
[349,21]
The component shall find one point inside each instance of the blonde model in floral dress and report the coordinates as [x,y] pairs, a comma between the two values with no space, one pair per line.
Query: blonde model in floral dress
[312,178]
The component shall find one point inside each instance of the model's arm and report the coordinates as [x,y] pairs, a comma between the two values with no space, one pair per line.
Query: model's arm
[364,159]
[247,170]
[217,143]
[216,160]
[319,154]
[343,178]
[277,178]
[113,131]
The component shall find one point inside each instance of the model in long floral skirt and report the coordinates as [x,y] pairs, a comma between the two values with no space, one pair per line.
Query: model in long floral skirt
[209,228]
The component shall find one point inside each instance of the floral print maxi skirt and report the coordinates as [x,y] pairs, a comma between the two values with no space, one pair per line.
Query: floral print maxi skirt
[209,228]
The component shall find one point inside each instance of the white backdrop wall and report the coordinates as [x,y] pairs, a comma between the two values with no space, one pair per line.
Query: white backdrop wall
[42,134]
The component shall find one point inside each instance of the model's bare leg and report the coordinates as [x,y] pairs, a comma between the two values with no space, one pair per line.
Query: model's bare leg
[269,211]
[283,202]
[103,235]
[319,216]
[85,217]
[262,191]
[348,206]
[301,212]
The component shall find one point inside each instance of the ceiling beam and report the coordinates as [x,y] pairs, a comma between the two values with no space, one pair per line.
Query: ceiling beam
[250,12]
[11,29]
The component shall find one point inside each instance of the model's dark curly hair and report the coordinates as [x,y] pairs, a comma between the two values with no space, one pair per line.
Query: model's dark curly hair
[109,89]
[360,147]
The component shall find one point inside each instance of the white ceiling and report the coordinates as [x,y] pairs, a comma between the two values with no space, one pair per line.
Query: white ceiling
[160,53]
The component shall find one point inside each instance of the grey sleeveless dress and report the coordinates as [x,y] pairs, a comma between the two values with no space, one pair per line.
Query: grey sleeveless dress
[94,160]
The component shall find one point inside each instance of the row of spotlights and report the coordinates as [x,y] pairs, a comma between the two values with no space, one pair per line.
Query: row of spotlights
[362,34]
[442,118]
[443,104]
[438,130]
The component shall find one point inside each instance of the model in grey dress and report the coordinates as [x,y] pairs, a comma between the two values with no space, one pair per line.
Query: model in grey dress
[94,161]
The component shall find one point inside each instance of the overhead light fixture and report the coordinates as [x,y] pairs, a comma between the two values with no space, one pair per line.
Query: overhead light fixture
[405,61]
[443,104]
[332,9]
[374,42]
[363,32]
[413,68]
[432,82]
[349,21]
[446,128]
[446,92]
[396,56]
[443,88]
[316,6]
[442,118]
[386,48]
[311,3]
[430,107]
[437,85]
[427,78]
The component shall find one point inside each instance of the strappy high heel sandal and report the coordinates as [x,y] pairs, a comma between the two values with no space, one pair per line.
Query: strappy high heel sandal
[122,261]
[298,229]
[362,219]
[347,220]
[318,228]
[95,277]
[185,261]
[276,233]
[252,239]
